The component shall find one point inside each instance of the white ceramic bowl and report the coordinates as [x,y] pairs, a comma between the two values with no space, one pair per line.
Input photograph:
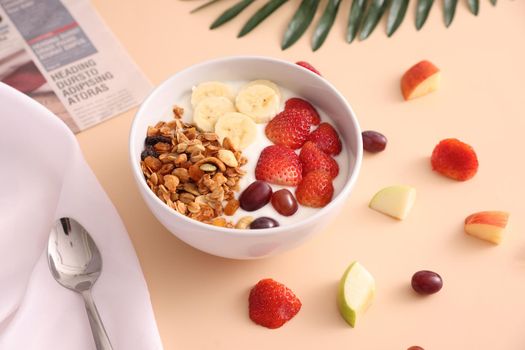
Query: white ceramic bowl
[246,244]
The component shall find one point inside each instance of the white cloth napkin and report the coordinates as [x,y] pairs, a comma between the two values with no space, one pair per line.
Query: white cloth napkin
[43,176]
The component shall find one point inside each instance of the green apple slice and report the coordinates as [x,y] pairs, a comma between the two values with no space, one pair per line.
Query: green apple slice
[395,201]
[356,292]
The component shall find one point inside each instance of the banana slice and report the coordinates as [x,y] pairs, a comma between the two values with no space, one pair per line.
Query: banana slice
[209,110]
[268,83]
[209,89]
[238,127]
[259,102]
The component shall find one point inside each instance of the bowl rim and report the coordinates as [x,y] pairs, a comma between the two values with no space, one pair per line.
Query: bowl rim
[340,197]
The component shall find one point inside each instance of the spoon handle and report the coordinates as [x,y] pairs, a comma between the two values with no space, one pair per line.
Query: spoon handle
[97,327]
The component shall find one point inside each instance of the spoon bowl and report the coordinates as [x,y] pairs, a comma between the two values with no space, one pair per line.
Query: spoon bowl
[73,257]
[76,263]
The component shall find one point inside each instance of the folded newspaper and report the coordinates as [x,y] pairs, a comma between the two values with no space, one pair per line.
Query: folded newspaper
[61,54]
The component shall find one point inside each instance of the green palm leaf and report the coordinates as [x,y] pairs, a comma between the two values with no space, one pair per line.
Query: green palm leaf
[260,16]
[231,13]
[473,6]
[398,9]
[363,17]
[372,17]
[203,6]
[450,10]
[422,11]
[355,18]
[325,23]
[300,22]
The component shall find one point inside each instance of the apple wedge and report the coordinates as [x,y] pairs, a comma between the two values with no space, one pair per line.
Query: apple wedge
[356,292]
[421,79]
[487,225]
[395,201]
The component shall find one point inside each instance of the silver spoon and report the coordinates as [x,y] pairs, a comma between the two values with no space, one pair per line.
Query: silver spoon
[76,263]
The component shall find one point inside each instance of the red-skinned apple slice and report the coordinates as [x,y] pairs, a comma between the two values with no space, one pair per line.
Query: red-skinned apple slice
[487,225]
[420,80]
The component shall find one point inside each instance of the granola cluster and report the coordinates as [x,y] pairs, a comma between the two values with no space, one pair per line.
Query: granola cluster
[191,171]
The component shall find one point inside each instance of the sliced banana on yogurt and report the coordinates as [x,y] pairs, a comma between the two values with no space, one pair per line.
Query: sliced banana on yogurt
[268,83]
[210,89]
[209,110]
[258,101]
[238,127]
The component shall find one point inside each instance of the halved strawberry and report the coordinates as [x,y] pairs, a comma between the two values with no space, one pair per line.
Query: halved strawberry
[316,190]
[303,105]
[327,139]
[455,159]
[308,66]
[312,158]
[272,304]
[279,165]
[289,128]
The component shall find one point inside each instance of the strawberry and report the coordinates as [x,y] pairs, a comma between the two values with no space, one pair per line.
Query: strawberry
[272,304]
[308,66]
[289,128]
[327,139]
[312,158]
[279,165]
[316,189]
[454,159]
[303,105]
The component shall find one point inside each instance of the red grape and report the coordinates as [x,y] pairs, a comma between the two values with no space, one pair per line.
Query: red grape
[255,196]
[426,282]
[284,202]
[263,222]
[373,141]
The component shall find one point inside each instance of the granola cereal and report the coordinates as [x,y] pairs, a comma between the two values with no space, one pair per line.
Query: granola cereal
[191,171]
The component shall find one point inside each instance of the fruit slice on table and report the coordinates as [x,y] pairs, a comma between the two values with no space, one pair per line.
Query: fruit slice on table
[487,225]
[327,139]
[289,128]
[356,292]
[259,102]
[316,190]
[279,165]
[312,158]
[272,304]
[209,89]
[297,103]
[454,159]
[421,79]
[239,128]
[395,201]
[209,110]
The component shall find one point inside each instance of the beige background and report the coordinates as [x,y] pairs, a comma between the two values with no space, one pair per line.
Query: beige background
[200,301]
